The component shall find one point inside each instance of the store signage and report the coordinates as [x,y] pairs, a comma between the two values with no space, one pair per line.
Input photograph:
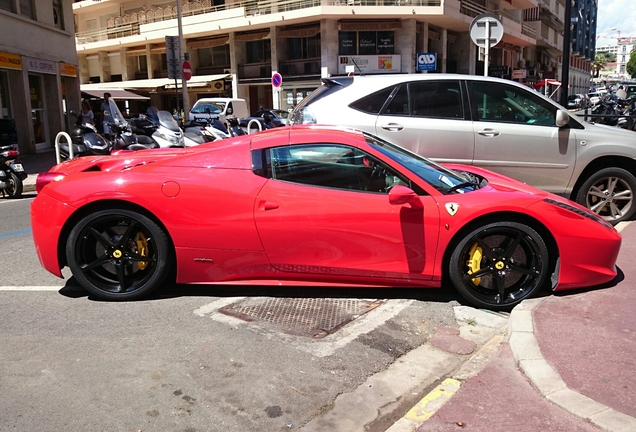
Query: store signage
[41,66]
[68,70]
[370,64]
[519,73]
[499,71]
[427,61]
[10,61]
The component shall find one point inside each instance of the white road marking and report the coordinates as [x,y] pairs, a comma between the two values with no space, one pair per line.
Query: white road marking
[30,288]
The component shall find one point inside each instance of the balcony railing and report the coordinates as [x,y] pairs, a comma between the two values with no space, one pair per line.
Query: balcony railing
[128,24]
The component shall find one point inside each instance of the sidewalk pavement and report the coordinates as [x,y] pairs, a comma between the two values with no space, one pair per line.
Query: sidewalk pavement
[34,164]
[568,362]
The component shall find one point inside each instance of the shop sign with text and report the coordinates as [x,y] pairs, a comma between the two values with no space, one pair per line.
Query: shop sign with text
[370,64]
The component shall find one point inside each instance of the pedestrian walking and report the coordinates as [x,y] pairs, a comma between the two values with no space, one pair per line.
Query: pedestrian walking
[107,117]
[87,113]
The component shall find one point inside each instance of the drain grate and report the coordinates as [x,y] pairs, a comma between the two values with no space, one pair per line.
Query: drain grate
[311,317]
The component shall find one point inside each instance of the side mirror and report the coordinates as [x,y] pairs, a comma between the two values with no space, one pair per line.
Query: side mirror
[402,195]
[562,118]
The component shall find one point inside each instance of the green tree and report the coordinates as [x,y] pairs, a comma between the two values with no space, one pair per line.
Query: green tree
[631,64]
[600,61]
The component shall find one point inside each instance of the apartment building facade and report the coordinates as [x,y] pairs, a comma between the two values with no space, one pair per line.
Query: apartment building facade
[235,46]
[38,71]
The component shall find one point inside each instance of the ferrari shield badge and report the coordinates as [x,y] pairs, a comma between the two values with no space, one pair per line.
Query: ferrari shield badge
[452,208]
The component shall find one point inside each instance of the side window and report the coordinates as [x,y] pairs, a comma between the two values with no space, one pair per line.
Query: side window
[333,166]
[373,103]
[508,104]
[399,104]
[436,99]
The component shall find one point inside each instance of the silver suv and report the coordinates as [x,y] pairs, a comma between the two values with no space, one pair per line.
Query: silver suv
[496,124]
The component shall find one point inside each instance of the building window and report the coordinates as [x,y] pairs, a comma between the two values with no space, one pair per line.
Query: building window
[26,8]
[58,17]
[258,51]
[7,5]
[366,42]
[214,56]
[304,48]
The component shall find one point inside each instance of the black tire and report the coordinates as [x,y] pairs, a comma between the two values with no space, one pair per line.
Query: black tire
[609,193]
[13,187]
[510,261]
[118,254]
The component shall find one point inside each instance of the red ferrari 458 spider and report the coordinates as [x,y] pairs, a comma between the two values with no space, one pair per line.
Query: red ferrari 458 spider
[312,204]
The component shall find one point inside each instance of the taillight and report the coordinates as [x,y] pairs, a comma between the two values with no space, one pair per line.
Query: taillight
[10,153]
[46,178]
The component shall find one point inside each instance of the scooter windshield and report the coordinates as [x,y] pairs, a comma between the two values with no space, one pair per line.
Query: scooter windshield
[118,117]
[166,120]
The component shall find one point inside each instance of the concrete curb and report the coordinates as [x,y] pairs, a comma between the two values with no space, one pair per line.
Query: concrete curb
[527,354]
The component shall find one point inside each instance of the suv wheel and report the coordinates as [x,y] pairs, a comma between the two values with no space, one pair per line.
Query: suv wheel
[610,194]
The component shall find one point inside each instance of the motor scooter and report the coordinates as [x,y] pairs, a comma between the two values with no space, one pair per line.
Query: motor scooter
[167,131]
[85,139]
[124,138]
[12,173]
[235,128]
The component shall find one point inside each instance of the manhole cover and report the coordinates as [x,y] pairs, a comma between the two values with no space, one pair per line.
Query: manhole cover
[312,317]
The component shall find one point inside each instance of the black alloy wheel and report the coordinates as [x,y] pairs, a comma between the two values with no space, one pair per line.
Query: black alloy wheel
[610,194]
[498,265]
[118,254]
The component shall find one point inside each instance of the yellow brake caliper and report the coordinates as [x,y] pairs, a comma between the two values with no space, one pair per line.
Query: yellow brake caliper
[474,262]
[142,249]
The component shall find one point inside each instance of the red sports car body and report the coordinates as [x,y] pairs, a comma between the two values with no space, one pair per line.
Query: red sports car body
[312,204]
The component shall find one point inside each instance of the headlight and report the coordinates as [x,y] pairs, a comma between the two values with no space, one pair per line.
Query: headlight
[585,213]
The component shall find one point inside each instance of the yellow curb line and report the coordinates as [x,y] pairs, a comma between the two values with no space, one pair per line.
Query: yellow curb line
[433,401]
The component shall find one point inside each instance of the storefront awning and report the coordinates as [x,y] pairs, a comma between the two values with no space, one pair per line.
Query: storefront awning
[115,93]
[150,83]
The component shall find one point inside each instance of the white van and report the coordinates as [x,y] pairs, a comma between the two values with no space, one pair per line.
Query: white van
[219,108]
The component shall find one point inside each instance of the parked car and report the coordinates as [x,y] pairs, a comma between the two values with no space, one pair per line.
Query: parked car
[321,205]
[218,108]
[488,122]
[578,101]
[278,118]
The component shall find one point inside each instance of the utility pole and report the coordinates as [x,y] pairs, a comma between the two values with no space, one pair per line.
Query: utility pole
[183,56]
[565,64]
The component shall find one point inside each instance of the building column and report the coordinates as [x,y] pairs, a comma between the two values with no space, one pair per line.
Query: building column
[128,65]
[104,65]
[444,37]
[406,38]
[424,39]
[329,43]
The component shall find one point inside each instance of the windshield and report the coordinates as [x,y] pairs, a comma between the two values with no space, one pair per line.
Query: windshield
[166,120]
[117,116]
[152,111]
[442,179]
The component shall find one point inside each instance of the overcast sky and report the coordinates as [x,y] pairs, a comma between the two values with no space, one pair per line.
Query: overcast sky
[618,15]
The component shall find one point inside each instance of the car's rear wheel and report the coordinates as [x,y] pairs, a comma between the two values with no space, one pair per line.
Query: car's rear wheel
[118,254]
[498,265]
[610,194]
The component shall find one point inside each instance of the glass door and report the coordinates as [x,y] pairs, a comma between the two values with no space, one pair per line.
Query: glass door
[38,113]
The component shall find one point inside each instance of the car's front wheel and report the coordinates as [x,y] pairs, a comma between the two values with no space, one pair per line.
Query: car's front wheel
[498,265]
[118,254]
[610,194]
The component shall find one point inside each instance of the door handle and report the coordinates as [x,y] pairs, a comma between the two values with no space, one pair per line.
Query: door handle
[267,205]
[489,132]
[393,127]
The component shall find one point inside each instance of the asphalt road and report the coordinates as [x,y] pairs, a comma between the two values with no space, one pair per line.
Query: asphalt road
[175,362]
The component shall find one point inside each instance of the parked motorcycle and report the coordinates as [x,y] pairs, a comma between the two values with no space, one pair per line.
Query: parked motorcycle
[125,139]
[235,128]
[167,131]
[12,173]
[85,139]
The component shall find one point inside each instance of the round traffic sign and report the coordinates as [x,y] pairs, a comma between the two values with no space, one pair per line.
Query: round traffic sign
[186,70]
[277,79]
[486,23]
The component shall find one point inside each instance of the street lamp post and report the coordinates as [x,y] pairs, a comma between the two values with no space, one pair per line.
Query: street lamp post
[565,64]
